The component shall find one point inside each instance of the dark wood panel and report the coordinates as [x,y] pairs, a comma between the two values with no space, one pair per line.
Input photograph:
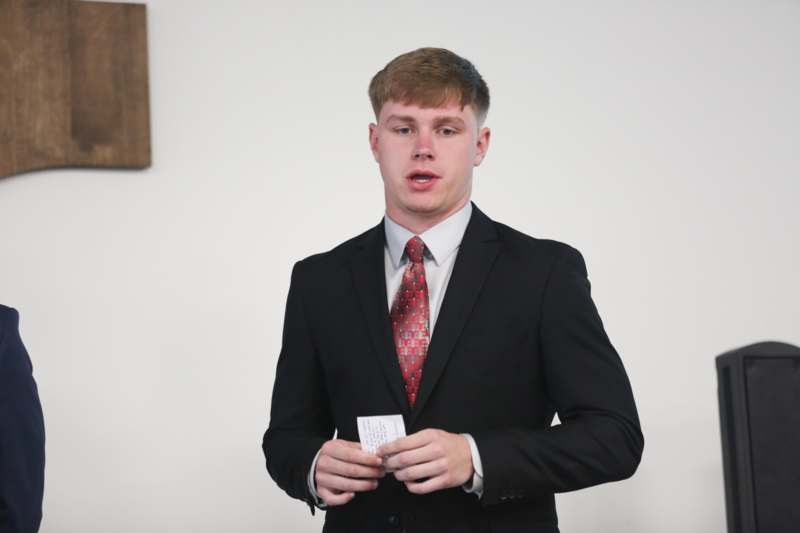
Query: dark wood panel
[110,94]
[76,91]
[7,160]
[39,96]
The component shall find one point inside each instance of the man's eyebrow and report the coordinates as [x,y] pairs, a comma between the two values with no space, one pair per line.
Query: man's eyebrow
[456,121]
[400,118]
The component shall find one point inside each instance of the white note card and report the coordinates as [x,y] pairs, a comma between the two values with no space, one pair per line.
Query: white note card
[373,431]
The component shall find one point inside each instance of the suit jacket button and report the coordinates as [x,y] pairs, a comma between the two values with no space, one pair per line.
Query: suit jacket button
[394,520]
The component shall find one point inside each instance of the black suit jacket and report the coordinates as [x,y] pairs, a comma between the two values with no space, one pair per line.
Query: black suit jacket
[518,339]
[21,434]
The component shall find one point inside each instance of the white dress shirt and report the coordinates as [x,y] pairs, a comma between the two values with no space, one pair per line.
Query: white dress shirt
[441,248]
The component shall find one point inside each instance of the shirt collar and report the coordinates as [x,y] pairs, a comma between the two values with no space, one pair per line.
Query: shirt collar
[441,240]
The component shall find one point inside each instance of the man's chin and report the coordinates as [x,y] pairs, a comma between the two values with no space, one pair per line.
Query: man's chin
[425,211]
[431,208]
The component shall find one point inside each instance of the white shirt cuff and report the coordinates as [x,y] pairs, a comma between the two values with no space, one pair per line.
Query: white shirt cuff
[312,486]
[476,486]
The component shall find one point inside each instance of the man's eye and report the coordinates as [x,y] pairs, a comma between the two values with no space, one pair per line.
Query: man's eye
[403,131]
[447,132]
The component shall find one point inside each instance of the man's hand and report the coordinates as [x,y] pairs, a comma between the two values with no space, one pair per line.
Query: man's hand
[343,469]
[429,460]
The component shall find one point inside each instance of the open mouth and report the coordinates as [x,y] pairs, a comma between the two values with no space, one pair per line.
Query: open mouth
[422,176]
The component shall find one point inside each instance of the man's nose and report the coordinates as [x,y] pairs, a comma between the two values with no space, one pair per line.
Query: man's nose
[423,149]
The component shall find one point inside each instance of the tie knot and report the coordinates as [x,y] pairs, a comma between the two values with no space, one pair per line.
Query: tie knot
[414,249]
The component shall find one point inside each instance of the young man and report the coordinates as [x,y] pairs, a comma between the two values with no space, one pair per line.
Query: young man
[475,333]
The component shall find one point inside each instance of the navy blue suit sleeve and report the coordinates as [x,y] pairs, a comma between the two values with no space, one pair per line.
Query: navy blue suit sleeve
[21,434]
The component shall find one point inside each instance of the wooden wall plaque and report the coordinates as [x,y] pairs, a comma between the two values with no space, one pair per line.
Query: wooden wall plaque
[73,85]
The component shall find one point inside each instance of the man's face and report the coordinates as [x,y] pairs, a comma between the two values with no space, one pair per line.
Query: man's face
[426,157]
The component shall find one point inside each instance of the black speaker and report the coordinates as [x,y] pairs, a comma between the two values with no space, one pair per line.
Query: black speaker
[759,404]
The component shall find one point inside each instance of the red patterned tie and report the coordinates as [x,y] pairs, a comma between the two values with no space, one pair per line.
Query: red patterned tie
[409,316]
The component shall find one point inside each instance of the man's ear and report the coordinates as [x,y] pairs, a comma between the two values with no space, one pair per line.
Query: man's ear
[482,145]
[373,140]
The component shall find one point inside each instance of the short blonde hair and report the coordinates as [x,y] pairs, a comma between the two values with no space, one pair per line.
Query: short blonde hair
[430,77]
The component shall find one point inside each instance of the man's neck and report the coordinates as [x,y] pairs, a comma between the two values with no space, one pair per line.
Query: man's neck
[417,223]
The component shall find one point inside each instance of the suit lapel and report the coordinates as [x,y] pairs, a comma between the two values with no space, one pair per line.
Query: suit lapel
[476,254]
[369,279]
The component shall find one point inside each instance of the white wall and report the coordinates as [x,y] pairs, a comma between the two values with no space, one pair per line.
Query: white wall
[660,138]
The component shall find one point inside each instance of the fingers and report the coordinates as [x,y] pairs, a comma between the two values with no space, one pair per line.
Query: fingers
[344,484]
[332,498]
[330,465]
[444,462]
[412,457]
[415,440]
[350,452]
[343,469]
[426,486]
[422,471]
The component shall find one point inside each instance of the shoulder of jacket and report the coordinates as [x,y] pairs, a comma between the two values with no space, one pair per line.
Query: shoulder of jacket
[517,242]
[336,256]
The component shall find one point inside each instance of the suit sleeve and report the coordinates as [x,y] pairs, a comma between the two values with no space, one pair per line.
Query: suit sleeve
[21,434]
[300,419]
[599,438]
